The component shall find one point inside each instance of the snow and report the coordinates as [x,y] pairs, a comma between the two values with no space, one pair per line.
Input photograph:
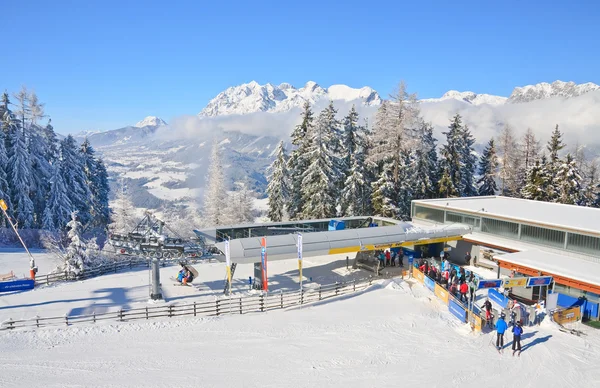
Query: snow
[395,331]
[469,98]
[582,270]
[555,89]
[554,215]
[150,121]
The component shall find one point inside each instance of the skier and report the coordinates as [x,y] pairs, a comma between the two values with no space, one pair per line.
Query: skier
[539,309]
[463,291]
[488,312]
[500,329]
[517,331]
[181,274]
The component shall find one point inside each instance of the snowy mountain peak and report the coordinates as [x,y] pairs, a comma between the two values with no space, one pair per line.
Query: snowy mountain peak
[150,121]
[555,89]
[252,97]
[470,98]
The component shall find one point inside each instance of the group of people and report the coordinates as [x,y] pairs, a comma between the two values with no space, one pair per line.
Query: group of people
[185,276]
[458,283]
[517,330]
[390,258]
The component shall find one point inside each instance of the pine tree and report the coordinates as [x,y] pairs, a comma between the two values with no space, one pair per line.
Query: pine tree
[350,138]
[554,146]
[405,185]
[240,206]
[4,178]
[425,177]
[320,183]
[488,167]
[468,164]
[452,159]
[590,192]
[58,206]
[41,172]
[100,191]
[537,182]
[356,191]
[123,212]
[76,259]
[298,162]
[215,197]
[72,169]
[277,189]
[20,180]
[569,182]
[52,143]
[384,197]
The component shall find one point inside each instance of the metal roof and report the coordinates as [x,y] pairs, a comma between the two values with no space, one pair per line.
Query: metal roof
[545,214]
[248,250]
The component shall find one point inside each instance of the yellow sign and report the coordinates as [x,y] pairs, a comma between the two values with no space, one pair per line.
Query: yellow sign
[441,293]
[418,275]
[515,282]
[566,316]
[3,205]
[475,321]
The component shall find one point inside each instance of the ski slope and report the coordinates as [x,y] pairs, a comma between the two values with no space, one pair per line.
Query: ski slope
[395,333]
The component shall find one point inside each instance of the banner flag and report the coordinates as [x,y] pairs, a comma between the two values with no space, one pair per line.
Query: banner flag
[300,257]
[228,262]
[263,258]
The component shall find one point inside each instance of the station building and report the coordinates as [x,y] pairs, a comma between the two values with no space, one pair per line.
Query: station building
[518,237]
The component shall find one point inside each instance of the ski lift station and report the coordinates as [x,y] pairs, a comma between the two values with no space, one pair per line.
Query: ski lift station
[518,237]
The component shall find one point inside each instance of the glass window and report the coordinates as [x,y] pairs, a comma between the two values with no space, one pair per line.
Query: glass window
[429,214]
[584,244]
[461,218]
[544,236]
[500,228]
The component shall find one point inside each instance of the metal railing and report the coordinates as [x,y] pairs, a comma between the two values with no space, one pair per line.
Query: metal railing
[220,306]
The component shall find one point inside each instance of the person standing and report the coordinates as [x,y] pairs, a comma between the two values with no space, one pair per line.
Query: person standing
[500,329]
[464,288]
[517,331]
[488,313]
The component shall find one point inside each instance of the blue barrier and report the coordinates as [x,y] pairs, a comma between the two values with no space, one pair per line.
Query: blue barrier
[17,285]
[457,310]
[588,309]
[497,297]
[429,283]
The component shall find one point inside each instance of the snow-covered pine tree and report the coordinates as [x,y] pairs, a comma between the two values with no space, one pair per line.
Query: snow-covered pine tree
[36,108]
[488,169]
[356,191]
[590,192]
[446,187]
[530,149]
[215,197]
[452,159]
[23,109]
[425,178]
[298,162]
[554,146]
[568,181]
[100,191]
[321,180]
[509,162]
[240,206]
[277,189]
[4,187]
[75,180]
[52,143]
[468,164]
[350,140]
[20,180]
[405,185]
[76,258]
[384,197]
[123,212]
[58,206]
[537,182]
[41,170]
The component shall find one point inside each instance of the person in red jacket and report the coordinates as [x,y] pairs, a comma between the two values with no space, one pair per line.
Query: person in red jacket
[464,288]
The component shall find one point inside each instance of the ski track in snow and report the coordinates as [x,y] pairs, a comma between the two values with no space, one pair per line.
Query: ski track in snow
[395,333]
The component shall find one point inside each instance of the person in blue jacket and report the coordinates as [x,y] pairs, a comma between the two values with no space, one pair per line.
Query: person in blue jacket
[500,329]
[517,331]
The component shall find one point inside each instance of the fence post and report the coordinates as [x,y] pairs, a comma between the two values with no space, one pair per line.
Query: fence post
[66,320]
[354,285]
[11,323]
[262,302]
[94,317]
[281,294]
[194,308]
[47,279]
[337,288]
[115,267]
[241,311]
[301,296]
[319,292]
[170,311]
[37,320]
[121,315]
[130,263]
[217,302]
[146,312]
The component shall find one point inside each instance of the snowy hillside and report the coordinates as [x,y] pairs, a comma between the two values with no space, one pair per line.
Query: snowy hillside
[252,97]
[396,333]
[469,97]
[150,121]
[555,89]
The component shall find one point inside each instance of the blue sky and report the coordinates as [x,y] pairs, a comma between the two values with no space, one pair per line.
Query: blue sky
[107,64]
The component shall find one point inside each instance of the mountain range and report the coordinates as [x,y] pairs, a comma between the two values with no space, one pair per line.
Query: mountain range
[165,164]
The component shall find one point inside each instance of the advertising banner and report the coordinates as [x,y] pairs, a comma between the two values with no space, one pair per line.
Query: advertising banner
[457,310]
[489,283]
[497,297]
[567,316]
[300,258]
[441,293]
[228,263]
[429,283]
[17,285]
[418,275]
[475,320]
[515,282]
[263,259]
[539,281]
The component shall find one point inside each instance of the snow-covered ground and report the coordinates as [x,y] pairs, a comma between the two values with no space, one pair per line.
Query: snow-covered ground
[396,333]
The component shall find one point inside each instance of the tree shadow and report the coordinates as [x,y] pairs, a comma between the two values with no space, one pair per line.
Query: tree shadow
[535,342]
[117,297]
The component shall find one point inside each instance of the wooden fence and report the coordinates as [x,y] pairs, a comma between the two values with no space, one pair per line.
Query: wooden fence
[220,306]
